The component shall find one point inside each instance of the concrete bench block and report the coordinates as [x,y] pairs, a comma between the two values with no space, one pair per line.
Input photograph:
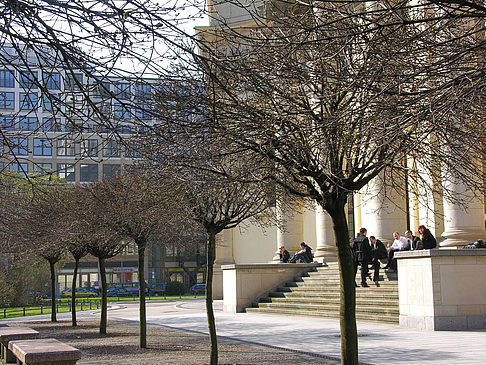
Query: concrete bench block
[47,351]
[8,334]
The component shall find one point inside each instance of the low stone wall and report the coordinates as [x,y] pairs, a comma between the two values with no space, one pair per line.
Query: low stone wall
[244,283]
[442,289]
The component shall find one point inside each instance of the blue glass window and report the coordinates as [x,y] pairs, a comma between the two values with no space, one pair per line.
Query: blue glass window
[22,168]
[28,101]
[7,78]
[7,123]
[28,123]
[52,81]
[7,100]
[42,147]
[27,80]
[111,149]
[19,146]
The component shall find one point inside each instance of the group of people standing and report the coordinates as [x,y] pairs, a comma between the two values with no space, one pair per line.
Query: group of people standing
[371,251]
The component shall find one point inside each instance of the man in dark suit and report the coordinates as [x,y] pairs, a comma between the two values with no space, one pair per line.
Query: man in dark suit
[378,251]
[362,255]
[414,242]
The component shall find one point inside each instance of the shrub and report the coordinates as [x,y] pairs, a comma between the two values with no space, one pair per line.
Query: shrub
[175,288]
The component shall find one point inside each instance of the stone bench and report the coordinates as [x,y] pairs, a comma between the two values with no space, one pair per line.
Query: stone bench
[47,351]
[8,334]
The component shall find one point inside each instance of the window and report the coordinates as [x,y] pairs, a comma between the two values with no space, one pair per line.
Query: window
[121,111]
[124,129]
[7,78]
[19,146]
[65,147]
[27,80]
[28,101]
[7,100]
[133,149]
[28,123]
[88,172]
[22,168]
[143,91]
[46,125]
[46,103]
[122,90]
[89,148]
[42,168]
[66,171]
[42,147]
[142,111]
[72,80]
[110,169]
[52,81]
[111,149]
[7,123]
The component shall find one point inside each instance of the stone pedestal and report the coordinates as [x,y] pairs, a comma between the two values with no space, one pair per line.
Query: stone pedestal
[244,284]
[442,289]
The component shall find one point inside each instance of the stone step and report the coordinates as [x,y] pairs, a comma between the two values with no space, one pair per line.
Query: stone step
[359,294]
[328,307]
[359,316]
[363,301]
[332,281]
[336,289]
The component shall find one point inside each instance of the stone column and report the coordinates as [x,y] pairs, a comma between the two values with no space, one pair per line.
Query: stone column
[463,218]
[383,209]
[425,199]
[224,256]
[290,230]
[326,241]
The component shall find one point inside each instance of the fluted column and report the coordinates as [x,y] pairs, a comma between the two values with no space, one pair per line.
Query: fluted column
[425,199]
[463,216]
[326,241]
[382,209]
[290,229]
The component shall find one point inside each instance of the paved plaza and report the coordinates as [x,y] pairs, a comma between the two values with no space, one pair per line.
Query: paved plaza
[378,343]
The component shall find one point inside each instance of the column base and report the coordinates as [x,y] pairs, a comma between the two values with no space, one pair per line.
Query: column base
[324,255]
[458,238]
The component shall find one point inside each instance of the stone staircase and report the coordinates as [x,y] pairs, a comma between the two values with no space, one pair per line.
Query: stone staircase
[317,294]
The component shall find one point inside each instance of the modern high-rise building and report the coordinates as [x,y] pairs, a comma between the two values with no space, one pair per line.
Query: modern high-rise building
[82,127]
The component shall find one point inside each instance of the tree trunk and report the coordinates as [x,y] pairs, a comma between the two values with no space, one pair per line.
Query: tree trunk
[210,255]
[53,291]
[141,288]
[349,333]
[104,302]
[73,292]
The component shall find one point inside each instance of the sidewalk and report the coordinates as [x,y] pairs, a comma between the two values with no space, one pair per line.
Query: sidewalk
[378,343]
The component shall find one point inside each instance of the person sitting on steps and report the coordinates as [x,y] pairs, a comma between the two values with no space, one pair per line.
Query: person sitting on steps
[304,255]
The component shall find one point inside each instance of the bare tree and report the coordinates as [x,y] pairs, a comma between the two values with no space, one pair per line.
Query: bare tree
[38,229]
[138,209]
[332,95]
[101,242]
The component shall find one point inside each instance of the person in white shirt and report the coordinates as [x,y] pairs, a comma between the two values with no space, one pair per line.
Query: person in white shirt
[399,244]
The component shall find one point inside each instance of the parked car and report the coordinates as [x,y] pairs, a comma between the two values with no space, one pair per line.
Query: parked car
[125,289]
[198,289]
[80,293]
[157,289]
